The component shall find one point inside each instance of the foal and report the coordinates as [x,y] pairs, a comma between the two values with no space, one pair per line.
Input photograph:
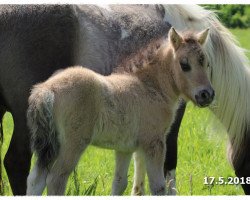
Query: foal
[125,112]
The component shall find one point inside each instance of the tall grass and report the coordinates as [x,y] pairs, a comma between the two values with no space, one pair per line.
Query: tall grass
[201,152]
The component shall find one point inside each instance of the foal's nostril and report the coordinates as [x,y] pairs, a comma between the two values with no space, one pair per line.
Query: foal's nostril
[204,94]
[204,97]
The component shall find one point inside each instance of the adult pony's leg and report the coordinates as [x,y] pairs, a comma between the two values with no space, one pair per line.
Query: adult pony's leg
[18,157]
[171,155]
[244,171]
[2,112]
[120,181]
[139,174]
[241,163]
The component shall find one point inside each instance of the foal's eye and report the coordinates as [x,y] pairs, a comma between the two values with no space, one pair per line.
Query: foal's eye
[185,67]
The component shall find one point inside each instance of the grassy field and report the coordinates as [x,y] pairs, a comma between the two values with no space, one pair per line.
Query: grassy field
[243,37]
[202,152]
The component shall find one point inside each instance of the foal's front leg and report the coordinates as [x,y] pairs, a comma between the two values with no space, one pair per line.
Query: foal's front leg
[121,172]
[139,174]
[154,158]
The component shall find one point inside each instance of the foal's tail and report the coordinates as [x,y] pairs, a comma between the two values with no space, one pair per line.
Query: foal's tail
[44,141]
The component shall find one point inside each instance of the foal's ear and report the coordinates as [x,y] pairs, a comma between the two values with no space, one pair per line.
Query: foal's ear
[175,38]
[202,36]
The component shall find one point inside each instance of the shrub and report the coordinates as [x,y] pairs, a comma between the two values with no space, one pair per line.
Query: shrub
[233,16]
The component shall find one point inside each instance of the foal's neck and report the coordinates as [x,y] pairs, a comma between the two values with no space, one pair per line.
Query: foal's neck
[159,75]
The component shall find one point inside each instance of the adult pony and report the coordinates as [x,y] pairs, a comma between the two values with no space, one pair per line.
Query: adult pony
[230,76]
[37,40]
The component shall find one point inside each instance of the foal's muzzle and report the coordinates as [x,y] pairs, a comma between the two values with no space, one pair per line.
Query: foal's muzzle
[204,97]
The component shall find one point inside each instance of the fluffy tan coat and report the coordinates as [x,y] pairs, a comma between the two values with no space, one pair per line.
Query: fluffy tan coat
[125,112]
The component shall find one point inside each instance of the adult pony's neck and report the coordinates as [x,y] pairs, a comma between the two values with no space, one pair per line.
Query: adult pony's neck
[229,71]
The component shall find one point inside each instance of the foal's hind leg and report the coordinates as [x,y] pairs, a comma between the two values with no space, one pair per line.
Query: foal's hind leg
[154,157]
[139,174]
[63,166]
[120,181]
[36,181]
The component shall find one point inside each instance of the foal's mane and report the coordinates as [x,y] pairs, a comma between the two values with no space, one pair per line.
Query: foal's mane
[145,55]
[141,58]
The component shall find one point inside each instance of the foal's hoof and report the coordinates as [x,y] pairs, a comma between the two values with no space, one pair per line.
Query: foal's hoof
[170,183]
[137,191]
[171,188]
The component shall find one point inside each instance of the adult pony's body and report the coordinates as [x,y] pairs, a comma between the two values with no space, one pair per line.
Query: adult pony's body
[38,40]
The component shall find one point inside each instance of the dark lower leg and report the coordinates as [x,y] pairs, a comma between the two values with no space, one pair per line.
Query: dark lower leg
[17,166]
[18,158]
[240,158]
[2,112]
[245,172]
[171,141]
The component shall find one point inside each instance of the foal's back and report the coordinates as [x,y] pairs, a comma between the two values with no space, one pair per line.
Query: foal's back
[76,90]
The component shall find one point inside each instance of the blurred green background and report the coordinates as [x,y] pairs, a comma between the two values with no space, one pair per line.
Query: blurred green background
[232,16]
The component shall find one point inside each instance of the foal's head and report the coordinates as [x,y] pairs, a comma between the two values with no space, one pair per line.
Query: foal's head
[190,65]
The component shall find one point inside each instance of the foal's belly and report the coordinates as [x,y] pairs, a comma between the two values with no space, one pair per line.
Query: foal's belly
[116,143]
[114,135]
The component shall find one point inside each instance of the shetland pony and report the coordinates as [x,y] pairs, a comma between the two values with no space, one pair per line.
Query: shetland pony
[125,112]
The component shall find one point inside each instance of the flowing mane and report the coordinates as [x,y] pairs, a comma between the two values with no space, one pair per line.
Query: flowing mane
[229,72]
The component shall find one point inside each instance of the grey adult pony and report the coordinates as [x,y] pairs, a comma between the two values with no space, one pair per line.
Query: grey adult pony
[38,40]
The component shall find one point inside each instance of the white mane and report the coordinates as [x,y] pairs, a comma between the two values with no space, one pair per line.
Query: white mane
[229,70]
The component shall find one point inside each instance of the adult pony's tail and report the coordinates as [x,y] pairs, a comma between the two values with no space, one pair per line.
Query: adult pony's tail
[44,142]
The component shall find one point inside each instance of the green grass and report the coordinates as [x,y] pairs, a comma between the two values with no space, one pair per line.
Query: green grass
[243,37]
[201,150]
